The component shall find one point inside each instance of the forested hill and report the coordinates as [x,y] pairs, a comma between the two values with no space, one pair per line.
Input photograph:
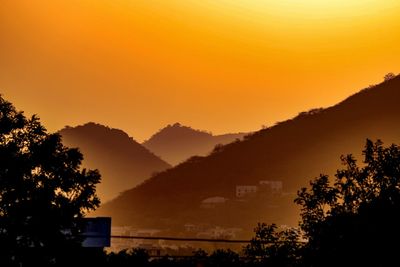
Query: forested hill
[293,151]
[123,162]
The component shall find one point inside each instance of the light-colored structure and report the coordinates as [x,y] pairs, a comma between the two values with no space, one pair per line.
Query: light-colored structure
[273,186]
[264,187]
[245,190]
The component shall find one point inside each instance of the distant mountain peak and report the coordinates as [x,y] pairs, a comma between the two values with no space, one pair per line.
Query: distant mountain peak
[123,162]
[177,124]
[99,127]
[176,143]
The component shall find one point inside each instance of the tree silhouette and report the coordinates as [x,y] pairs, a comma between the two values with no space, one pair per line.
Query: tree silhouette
[272,247]
[389,76]
[43,192]
[134,257]
[355,221]
[224,258]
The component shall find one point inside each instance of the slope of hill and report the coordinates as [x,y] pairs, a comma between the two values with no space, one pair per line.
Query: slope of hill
[123,163]
[294,152]
[176,143]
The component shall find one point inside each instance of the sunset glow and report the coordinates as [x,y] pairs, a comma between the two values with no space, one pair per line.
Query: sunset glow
[224,66]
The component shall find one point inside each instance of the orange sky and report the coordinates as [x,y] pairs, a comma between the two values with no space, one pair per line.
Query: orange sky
[218,65]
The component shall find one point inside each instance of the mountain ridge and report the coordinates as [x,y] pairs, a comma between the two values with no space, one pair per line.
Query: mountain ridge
[293,151]
[176,143]
[123,162]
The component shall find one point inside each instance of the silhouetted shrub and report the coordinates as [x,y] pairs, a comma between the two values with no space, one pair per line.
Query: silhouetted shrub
[355,221]
[135,257]
[218,148]
[274,248]
[389,76]
[44,193]
[224,258]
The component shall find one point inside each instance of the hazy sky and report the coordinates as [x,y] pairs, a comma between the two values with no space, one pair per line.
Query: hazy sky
[218,65]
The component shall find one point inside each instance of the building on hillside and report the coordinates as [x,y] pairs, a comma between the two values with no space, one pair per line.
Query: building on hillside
[212,202]
[264,187]
[245,190]
[270,186]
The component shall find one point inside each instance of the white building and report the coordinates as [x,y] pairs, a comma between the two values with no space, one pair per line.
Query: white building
[274,187]
[245,190]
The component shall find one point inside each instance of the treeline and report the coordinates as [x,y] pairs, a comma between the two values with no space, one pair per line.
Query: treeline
[352,220]
[200,258]
[141,258]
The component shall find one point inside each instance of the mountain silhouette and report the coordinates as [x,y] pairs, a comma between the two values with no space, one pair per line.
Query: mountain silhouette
[123,162]
[176,143]
[294,152]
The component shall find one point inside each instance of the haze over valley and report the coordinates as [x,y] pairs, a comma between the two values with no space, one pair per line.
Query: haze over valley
[202,189]
[199,133]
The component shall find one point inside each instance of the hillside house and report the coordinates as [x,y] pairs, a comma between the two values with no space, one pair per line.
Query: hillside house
[245,190]
[270,186]
[264,187]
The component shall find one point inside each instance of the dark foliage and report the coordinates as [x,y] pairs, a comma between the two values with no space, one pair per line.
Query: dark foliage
[274,248]
[43,192]
[141,258]
[389,76]
[135,257]
[355,221]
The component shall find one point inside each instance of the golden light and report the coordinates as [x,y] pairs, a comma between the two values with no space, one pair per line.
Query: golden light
[218,60]
[311,7]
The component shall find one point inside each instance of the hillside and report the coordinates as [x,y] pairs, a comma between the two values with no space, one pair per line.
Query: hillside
[176,143]
[123,162]
[293,151]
